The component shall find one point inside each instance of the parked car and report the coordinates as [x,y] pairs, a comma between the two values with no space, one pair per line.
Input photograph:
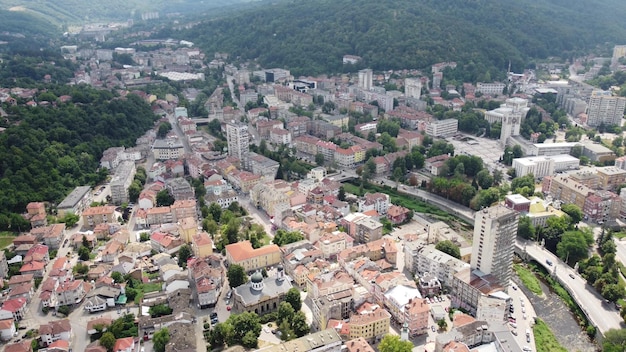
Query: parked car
[514,287]
[514,332]
[549,262]
[432,328]
[572,276]
[228,308]
[214,315]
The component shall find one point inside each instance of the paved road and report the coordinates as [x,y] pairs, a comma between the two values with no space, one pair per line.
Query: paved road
[172,120]
[604,316]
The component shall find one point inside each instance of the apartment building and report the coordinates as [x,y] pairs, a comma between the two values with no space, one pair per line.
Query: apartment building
[123,178]
[238,140]
[568,191]
[495,229]
[611,177]
[165,149]
[416,314]
[442,128]
[604,108]
[420,259]
[75,202]
[495,88]
[99,215]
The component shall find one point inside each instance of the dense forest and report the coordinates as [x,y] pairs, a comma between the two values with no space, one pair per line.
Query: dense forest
[23,31]
[47,151]
[67,12]
[310,37]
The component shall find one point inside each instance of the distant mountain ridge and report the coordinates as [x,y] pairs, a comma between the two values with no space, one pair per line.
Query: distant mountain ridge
[310,37]
[73,12]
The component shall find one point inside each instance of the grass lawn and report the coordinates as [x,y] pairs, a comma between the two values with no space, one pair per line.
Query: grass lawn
[544,338]
[151,287]
[619,235]
[6,241]
[528,279]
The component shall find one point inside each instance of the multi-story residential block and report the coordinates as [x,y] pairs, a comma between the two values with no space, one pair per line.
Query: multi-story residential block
[367,230]
[165,243]
[374,201]
[602,206]
[412,88]
[184,208]
[202,245]
[442,128]
[333,243]
[36,214]
[165,149]
[69,293]
[112,157]
[270,196]
[51,236]
[365,79]
[238,140]
[99,215]
[421,259]
[306,144]
[75,202]
[568,191]
[322,341]
[264,127]
[123,178]
[242,253]
[327,149]
[261,165]
[495,229]
[495,88]
[604,108]
[611,177]
[469,286]
[371,324]
[180,188]
[280,136]
[416,314]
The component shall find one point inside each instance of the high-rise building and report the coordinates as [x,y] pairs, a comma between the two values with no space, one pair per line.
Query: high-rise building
[603,108]
[495,230]
[366,78]
[413,87]
[238,140]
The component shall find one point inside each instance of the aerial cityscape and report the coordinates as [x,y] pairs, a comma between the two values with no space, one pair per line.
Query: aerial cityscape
[173,181]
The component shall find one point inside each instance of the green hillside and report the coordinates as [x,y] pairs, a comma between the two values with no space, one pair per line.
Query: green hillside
[71,12]
[310,37]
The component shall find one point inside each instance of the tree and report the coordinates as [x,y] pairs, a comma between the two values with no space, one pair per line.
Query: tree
[70,219]
[285,312]
[117,277]
[392,343]
[293,297]
[299,324]
[164,129]
[574,246]
[83,253]
[184,253]
[484,179]
[107,340]
[525,228]
[245,324]
[236,275]
[442,324]
[319,159]
[614,341]
[283,237]
[159,310]
[574,212]
[160,340]
[342,194]
[613,292]
[164,198]
[216,211]
[221,333]
[450,248]
[144,236]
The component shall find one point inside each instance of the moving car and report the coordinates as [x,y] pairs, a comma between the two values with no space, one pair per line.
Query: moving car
[228,308]
[572,276]
[549,262]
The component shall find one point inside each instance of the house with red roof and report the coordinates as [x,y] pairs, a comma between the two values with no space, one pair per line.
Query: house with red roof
[35,268]
[165,242]
[13,309]
[39,253]
[397,214]
[7,329]
[71,292]
[55,331]
[23,346]
[126,344]
[25,290]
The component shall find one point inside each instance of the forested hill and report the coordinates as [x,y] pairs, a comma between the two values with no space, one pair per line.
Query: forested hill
[47,151]
[23,31]
[310,37]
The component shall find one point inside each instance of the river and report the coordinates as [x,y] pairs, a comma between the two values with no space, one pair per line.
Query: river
[561,321]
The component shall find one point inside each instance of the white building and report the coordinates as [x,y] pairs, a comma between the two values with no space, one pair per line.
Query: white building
[164,149]
[413,88]
[541,166]
[442,128]
[495,230]
[603,108]
[553,148]
[420,259]
[495,88]
[123,178]
[238,140]
[366,79]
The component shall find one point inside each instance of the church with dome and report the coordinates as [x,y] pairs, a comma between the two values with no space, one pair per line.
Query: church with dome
[261,295]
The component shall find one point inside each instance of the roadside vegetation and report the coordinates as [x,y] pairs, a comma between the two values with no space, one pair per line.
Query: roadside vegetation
[528,279]
[545,341]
